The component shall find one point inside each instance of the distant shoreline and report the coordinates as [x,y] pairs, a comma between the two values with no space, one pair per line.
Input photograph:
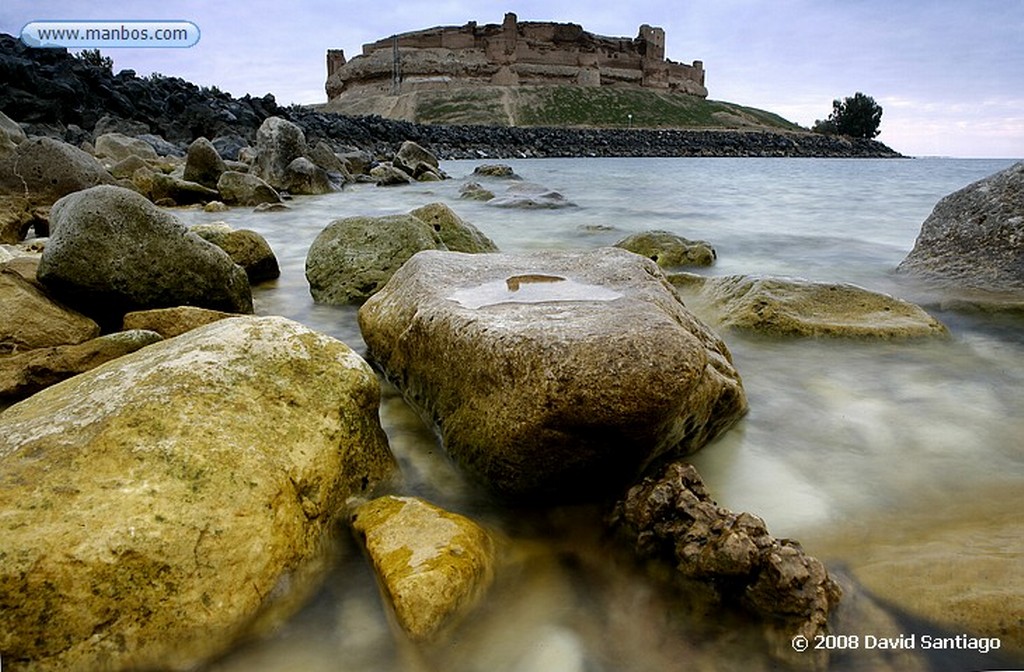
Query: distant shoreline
[53,93]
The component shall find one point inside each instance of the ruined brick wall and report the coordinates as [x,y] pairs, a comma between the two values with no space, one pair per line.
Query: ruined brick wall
[510,54]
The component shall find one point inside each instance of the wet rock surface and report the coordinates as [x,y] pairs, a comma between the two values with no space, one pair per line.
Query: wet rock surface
[800,308]
[434,564]
[671,517]
[574,369]
[974,238]
[155,506]
[112,251]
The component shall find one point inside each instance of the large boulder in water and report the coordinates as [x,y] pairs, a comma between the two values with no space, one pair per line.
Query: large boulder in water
[157,508]
[974,238]
[279,144]
[669,250]
[354,257]
[552,374]
[111,251]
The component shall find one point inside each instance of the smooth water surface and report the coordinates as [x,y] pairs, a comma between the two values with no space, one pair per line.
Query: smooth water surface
[841,434]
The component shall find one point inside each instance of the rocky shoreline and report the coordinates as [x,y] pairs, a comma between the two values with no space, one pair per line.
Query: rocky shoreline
[58,95]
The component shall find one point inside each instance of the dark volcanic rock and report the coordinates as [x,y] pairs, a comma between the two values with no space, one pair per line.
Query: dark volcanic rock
[672,518]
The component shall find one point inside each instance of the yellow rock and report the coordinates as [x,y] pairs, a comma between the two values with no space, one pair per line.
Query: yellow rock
[432,564]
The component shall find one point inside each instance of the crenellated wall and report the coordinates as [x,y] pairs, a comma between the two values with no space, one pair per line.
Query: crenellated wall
[510,54]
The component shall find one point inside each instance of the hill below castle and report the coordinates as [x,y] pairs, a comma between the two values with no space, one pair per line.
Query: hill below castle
[561,106]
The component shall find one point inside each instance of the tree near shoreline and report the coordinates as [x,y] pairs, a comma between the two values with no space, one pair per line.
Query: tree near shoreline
[857,116]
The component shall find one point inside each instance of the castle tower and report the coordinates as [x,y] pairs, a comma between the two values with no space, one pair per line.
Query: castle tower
[653,39]
[335,59]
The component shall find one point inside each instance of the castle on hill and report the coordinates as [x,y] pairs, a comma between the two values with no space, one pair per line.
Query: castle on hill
[514,53]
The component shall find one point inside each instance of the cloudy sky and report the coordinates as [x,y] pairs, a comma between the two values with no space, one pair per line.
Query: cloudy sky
[949,74]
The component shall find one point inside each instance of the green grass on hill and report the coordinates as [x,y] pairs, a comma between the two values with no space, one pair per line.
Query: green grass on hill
[564,106]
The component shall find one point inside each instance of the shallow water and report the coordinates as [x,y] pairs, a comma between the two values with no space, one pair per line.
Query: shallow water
[840,434]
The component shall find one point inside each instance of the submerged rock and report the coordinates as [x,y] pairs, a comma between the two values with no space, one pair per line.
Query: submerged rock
[669,250]
[974,238]
[552,374]
[354,257]
[111,251]
[433,564]
[530,196]
[672,518]
[474,191]
[501,170]
[161,506]
[793,307]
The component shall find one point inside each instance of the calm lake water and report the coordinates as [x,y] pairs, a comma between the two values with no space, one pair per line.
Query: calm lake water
[843,438]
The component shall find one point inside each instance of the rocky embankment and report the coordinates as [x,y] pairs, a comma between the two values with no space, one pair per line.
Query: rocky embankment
[58,95]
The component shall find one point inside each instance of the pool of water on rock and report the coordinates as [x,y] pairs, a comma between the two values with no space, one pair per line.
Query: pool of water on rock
[851,447]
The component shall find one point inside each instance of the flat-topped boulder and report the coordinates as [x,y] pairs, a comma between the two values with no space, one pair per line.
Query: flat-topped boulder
[974,238]
[556,374]
[794,307]
[159,507]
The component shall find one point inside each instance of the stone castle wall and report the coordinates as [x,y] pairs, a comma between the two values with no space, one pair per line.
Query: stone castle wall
[510,54]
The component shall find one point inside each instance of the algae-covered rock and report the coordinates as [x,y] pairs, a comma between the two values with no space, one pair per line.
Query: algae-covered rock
[246,248]
[457,234]
[669,250]
[354,257]
[159,507]
[170,322]
[793,307]
[552,374]
[432,564]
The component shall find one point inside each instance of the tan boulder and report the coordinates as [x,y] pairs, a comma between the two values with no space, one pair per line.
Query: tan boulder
[246,248]
[15,219]
[170,322]
[118,146]
[26,373]
[432,564]
[554,373]
[793,307]
[32,320]
[458,234]
[159,507]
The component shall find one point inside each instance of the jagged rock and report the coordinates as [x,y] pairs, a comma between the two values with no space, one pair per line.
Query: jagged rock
[574,369]
[244,189]
[974,238]
[117,146]
[170,322]
[25,373]
[416,161]
[433,564]
[43,169]
[229,146]
[203,164]
[324,157]
[529,196]
[792,307]
[672,518]
[31,319]
[457,234]
[669,250]
[111,251]
[473,191]
[246,248]
[353,258]
[165,504]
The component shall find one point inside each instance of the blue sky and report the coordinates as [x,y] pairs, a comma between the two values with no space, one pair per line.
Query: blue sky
[949,74]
